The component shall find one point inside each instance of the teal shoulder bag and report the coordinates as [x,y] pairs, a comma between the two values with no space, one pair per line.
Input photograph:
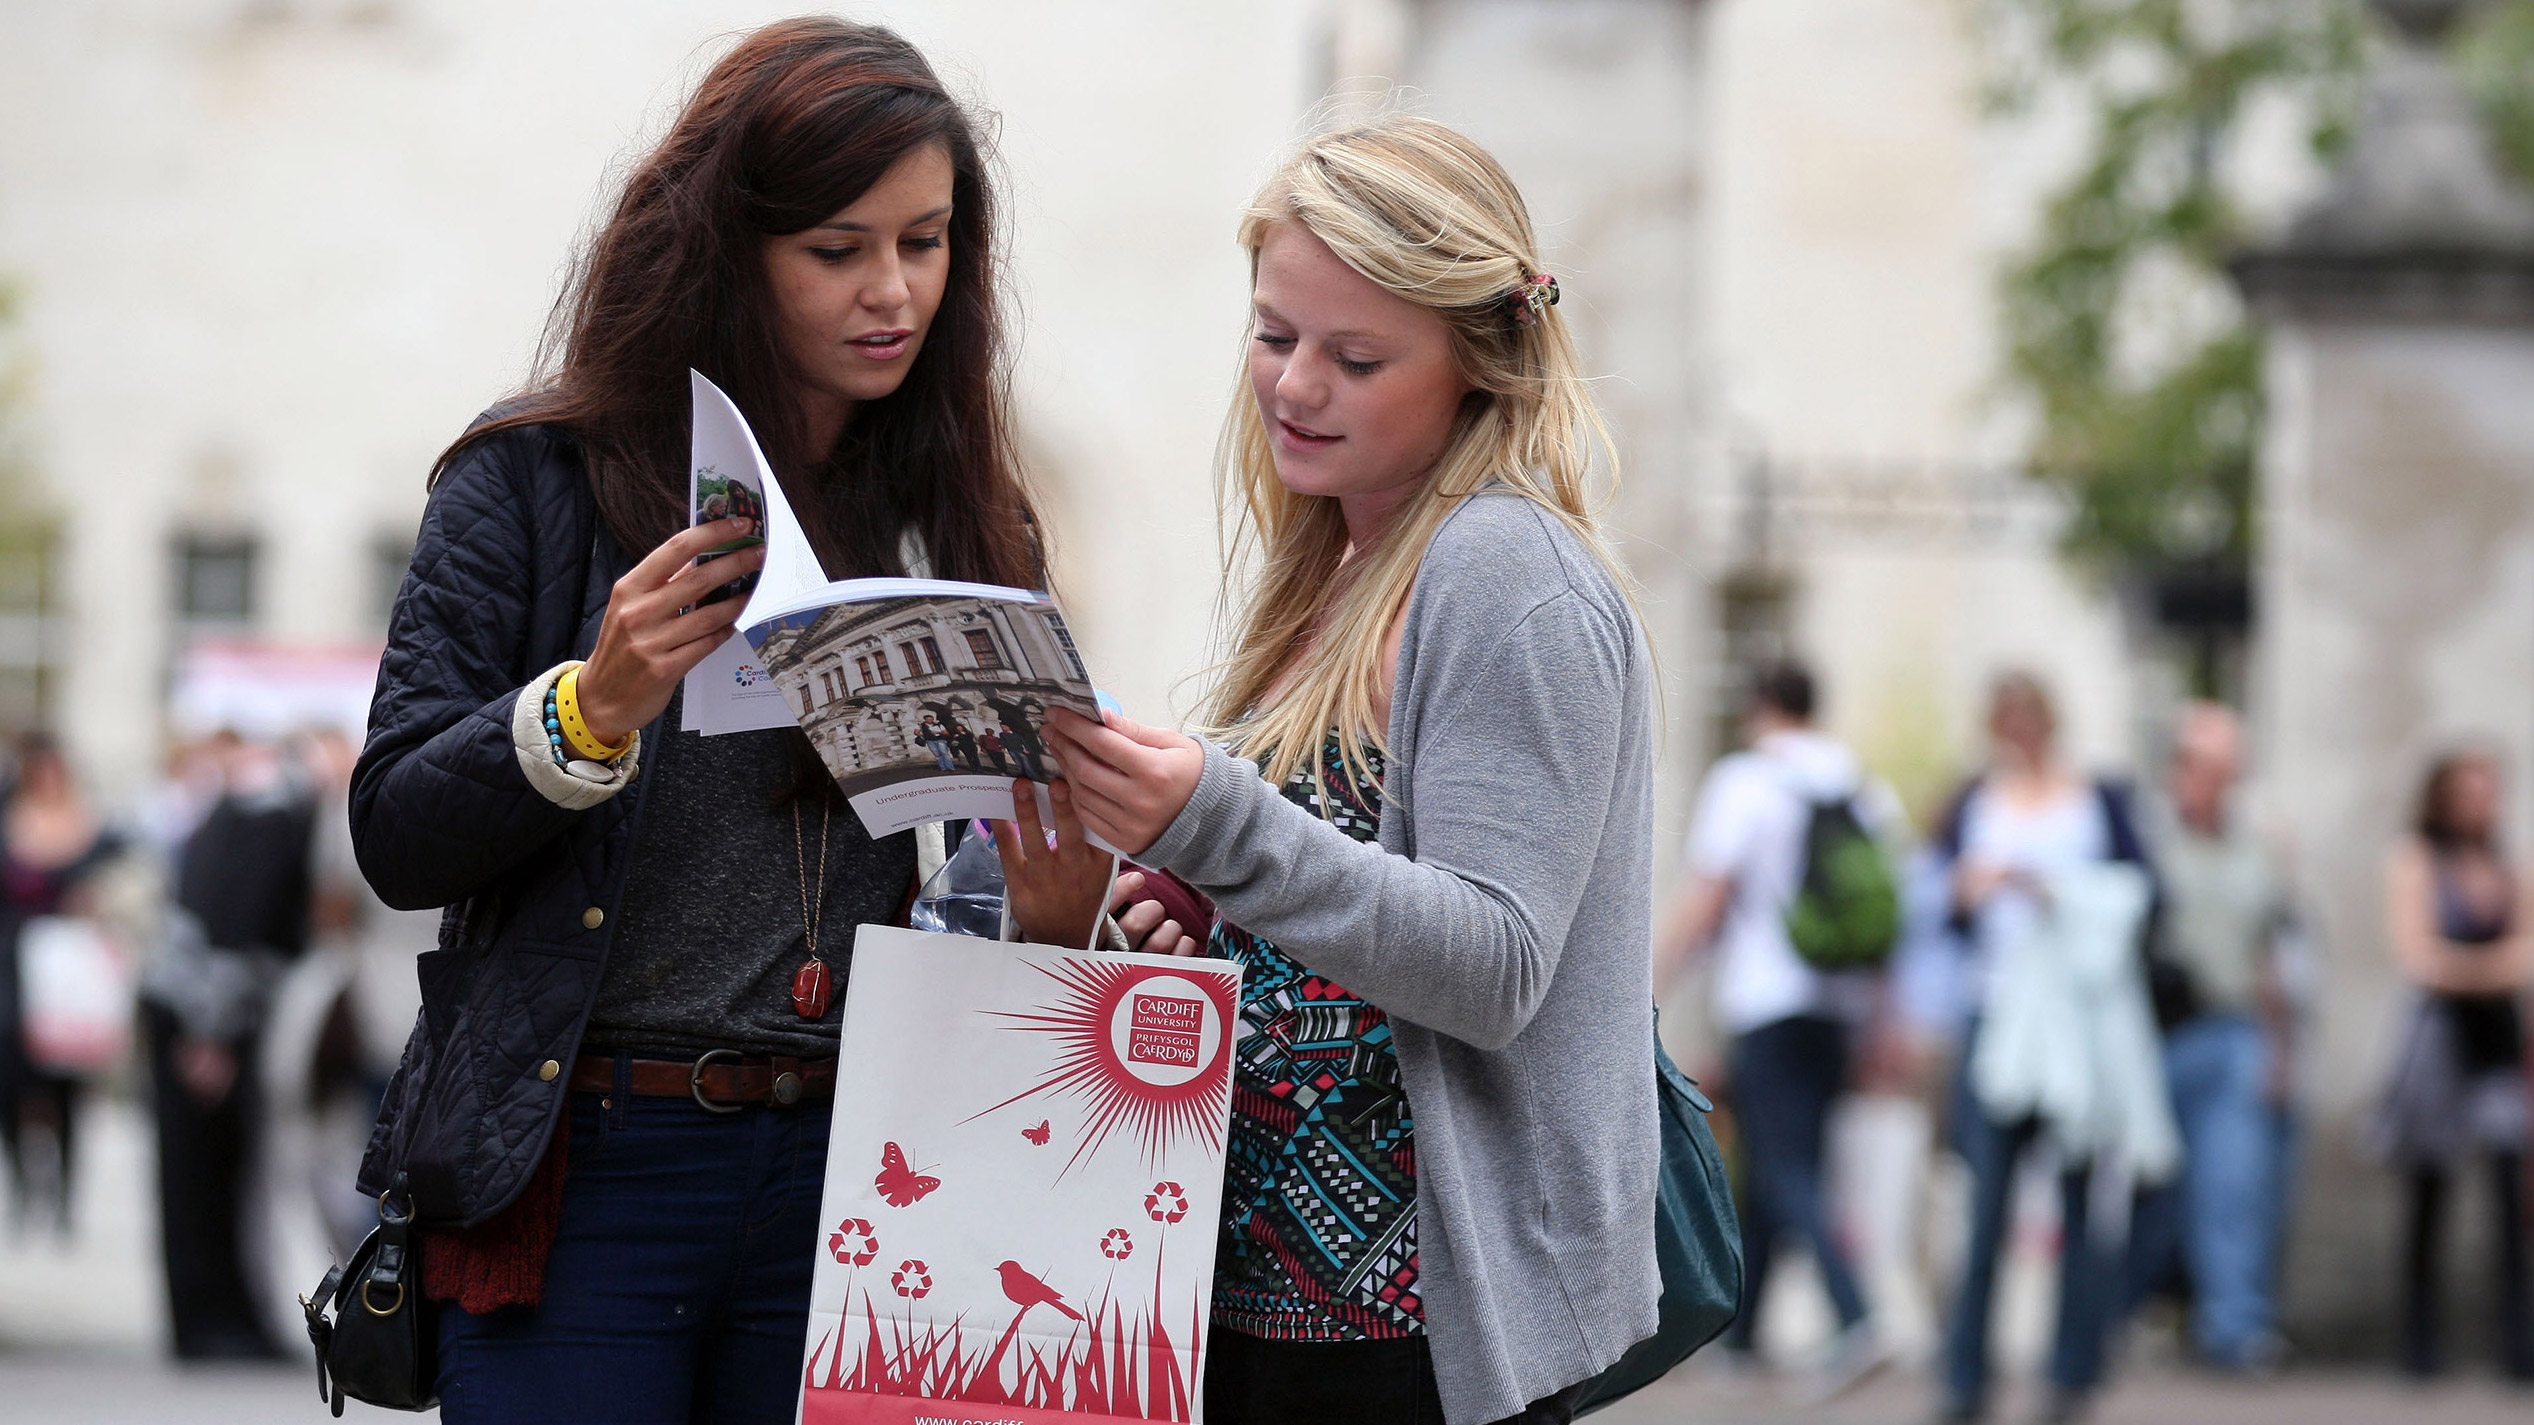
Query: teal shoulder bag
[1697,1241]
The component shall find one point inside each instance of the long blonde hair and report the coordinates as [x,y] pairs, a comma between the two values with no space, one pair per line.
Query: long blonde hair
[1418,208]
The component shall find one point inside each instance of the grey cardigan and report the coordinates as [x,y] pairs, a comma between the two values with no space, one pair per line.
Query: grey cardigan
[1504,922]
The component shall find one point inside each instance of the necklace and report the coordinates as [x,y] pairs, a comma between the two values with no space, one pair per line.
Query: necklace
[813,983]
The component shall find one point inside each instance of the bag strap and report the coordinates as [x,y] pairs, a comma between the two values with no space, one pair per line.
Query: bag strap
[1790,781]
[320,1330]
[384,1289]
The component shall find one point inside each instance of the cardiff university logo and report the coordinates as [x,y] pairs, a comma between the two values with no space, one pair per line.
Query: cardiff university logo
[748,675]
[1140,1047]
[1165,1030]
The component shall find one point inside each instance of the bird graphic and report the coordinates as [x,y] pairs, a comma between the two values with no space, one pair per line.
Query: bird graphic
[1037,1135]
[1029,1291]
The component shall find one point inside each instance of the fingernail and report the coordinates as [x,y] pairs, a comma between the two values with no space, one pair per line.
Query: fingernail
[742,523]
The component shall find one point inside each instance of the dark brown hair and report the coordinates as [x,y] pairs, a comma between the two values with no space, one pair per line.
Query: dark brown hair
[1785,685]
[2434,817]
[799,120]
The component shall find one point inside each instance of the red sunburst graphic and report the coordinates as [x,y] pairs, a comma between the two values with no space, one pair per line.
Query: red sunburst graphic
[1180,1082]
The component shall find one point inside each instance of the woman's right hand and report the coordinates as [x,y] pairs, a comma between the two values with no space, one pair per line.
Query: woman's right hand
[1976,883]
[646,645]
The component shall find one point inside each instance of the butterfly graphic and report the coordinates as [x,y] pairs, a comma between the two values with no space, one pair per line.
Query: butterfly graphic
[898,1183]
[1038,1135]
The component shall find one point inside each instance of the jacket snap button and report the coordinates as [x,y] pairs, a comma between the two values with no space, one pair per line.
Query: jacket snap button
[548,1070]
[787,1087]
[593,918]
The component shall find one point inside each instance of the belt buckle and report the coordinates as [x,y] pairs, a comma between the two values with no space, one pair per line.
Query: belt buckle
[695,1081]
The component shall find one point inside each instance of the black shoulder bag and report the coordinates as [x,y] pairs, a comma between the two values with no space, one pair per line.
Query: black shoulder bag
[382,1345]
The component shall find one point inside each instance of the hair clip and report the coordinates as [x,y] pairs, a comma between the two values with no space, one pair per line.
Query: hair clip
[1525,302]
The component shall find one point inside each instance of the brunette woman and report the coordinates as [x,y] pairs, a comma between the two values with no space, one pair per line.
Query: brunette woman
[2456,916]
[616,1102]
[1441,1195]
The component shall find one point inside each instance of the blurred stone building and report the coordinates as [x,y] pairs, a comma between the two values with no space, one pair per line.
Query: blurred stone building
[274,254]
[2397,583]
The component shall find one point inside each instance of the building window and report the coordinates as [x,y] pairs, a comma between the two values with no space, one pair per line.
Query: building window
[981,647]
[1064,640]
[932,655]
[390,556]
[863,665]
[215,580]
[880,661]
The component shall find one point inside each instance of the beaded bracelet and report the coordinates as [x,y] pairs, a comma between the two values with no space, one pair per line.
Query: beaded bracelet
[586,769]
[576,733]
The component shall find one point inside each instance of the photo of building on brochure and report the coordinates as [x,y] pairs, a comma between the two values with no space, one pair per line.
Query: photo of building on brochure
[897,690]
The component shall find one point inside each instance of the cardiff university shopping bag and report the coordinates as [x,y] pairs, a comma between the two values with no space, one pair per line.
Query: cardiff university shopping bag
[1023,1185]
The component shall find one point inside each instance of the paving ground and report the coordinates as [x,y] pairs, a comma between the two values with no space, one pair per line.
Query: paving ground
[2303,1398]
[71,1387]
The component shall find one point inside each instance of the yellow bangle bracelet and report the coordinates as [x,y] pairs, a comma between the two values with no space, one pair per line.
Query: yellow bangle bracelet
[576,733]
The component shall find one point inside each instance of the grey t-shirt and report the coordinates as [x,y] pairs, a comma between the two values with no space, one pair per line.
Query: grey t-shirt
[2224,906]
[710,931]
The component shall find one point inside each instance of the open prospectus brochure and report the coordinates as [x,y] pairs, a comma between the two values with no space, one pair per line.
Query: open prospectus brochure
[925,698]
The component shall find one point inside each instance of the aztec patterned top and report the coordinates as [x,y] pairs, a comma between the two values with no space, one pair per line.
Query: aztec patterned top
[1320,1189]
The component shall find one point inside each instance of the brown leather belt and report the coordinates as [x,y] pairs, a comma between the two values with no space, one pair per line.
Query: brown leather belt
[721,1081]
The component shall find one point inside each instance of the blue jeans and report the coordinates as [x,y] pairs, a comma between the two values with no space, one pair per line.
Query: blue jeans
[2224,1215]
[1785,1077]
[678,1288]
[2090,1286]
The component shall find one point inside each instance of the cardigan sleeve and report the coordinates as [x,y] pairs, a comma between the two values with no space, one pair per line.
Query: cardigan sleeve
[1515,768]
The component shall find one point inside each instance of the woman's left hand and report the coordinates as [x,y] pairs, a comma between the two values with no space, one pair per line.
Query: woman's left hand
[1130,781]
[1146,924]
[1057,894]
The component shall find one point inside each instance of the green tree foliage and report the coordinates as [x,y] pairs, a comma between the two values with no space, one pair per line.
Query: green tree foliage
[2156,454]
[2119,324]
[2496,54]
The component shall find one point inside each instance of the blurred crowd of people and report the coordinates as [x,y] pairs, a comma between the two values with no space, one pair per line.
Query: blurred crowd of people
[2108,983]
[212,947]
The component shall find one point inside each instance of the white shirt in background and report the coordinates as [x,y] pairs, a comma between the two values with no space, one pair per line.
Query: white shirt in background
[1752,815]
[2038,841]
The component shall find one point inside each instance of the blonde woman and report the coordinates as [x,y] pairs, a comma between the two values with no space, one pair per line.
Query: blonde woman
[1441,1197]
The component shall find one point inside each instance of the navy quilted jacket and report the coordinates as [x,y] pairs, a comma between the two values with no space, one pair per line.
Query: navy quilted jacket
[510,576]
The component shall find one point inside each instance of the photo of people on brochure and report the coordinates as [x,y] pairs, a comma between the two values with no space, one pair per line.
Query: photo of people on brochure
[718,496]
[904,689]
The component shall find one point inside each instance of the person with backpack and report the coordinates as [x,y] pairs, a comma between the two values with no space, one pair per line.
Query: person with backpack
[1788,886]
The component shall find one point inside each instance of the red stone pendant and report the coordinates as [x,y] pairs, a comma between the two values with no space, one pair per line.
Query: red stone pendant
[811,985]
